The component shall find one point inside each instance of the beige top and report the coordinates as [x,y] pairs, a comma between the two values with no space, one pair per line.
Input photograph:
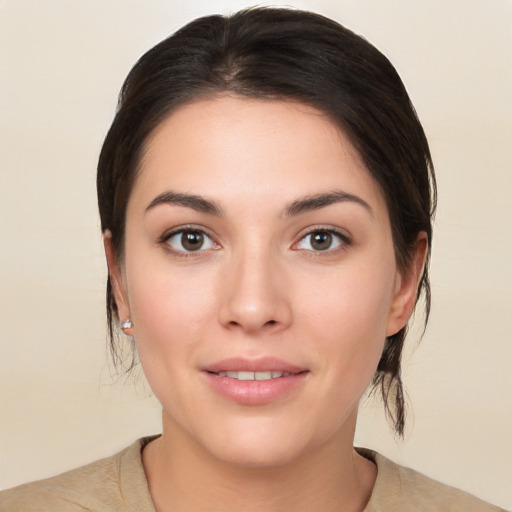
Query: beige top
[118,484]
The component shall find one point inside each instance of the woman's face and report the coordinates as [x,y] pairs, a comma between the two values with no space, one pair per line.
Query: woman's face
[260,276]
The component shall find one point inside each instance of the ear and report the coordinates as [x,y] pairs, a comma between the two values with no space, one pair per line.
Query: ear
[116,278]
[406,288]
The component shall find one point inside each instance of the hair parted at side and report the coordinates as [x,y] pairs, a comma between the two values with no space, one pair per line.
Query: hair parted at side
[284,54]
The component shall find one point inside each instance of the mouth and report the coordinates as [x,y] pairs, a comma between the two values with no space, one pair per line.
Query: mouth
[255,382]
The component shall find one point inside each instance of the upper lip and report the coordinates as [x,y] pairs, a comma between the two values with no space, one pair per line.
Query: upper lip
[263,364]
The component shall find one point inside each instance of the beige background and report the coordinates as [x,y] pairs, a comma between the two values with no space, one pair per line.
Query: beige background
[62,63]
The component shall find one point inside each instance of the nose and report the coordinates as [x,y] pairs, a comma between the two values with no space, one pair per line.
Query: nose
[255,296]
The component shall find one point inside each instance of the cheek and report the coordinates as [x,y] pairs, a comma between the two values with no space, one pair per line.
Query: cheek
[353,300]
[346,315]
[169,306]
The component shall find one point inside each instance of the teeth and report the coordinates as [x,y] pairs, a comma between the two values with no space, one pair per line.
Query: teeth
[245,376]
[262,375]
[253,375]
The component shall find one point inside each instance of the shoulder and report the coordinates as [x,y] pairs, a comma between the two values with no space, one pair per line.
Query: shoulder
[105,485]
[401,488]
[91,487]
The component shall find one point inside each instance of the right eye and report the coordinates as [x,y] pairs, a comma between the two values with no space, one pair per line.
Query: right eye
[190,240]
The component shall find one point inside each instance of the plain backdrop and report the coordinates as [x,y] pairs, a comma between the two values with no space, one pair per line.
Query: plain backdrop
[62,64]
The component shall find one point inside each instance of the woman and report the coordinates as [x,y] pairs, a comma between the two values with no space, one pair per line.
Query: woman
[266,194]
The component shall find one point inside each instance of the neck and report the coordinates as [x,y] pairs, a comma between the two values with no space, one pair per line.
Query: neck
[183,477]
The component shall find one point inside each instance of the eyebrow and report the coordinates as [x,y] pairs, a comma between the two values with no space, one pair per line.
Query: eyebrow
[301,205]
[317,201]
[197,203]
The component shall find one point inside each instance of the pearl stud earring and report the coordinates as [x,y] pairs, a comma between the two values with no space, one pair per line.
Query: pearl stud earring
[126,324]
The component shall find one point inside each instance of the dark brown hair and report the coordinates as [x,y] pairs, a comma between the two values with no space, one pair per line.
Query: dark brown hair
[290,55]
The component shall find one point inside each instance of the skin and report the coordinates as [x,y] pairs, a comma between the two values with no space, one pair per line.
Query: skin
[259,288]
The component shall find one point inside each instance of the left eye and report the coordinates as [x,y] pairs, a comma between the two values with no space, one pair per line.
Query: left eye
[320,240]
[190,240]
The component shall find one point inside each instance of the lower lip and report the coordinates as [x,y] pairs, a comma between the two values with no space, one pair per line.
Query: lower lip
[255,392]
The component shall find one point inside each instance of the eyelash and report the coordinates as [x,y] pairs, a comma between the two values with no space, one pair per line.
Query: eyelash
[343,239]
[164,240]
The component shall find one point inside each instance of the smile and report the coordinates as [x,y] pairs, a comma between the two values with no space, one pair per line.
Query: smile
[247,375]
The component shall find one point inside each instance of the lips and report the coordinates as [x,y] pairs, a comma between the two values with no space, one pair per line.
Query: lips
[254,381]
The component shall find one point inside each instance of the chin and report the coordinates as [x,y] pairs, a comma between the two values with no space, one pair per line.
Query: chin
[260,455]
[259,444]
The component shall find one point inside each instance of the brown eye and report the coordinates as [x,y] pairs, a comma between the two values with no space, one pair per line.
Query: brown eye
[190,240]
[321,240]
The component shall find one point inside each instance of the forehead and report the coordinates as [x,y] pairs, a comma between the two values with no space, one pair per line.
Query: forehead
[249,150]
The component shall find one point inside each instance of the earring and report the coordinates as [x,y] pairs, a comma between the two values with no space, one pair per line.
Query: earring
[126,325]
